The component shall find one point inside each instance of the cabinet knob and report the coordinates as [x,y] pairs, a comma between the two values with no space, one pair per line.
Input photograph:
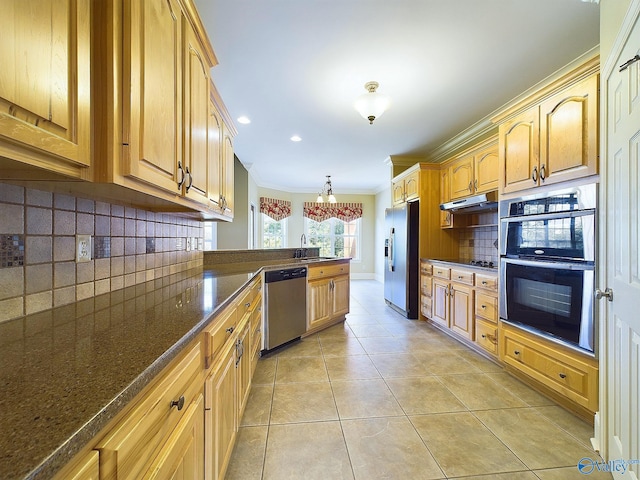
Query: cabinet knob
[484,282]
[459,277]
[483,336]
[562,375]
[247,305]
[483,306]
[178,403]
[516,352]
[230,330]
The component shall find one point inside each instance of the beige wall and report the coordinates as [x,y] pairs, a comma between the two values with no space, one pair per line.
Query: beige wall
[611,15]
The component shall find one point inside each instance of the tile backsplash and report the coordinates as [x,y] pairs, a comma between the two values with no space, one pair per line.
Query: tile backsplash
[38,229]
[479,243]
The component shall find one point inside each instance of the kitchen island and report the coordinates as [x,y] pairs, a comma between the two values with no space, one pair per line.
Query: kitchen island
[67,373]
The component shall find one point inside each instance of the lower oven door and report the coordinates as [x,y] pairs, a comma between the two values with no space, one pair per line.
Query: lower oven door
[552,298]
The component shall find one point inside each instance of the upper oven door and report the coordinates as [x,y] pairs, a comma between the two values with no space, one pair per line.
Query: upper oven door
[552,297]
[558,236]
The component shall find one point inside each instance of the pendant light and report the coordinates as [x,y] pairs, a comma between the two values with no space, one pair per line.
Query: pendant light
[327,190]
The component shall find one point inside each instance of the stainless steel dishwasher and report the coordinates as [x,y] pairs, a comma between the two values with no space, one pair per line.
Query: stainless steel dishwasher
[285,306]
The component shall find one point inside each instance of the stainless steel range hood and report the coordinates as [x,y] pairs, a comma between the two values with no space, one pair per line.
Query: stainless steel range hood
[477,203]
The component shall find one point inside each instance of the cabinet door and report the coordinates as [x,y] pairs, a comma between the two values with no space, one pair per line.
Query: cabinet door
[569,130]
[486,169]
[152,104]
[462,178]
[182,457]
[441,302]
[462,310]
[214,154]
[519,144]
[412,186]
[45,83]
[445,196]
[243,366]
[398,192]
[340,295]
[319,304]
[227,173]
[196,118]
[86,468]
[222,420]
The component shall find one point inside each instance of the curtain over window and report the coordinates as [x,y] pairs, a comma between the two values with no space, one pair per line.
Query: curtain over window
[274,208]
[324,211]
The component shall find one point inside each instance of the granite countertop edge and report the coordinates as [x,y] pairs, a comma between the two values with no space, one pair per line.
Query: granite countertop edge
[459,264]
[62,455]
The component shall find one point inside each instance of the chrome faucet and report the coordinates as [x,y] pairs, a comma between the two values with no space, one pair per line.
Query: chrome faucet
[303,240]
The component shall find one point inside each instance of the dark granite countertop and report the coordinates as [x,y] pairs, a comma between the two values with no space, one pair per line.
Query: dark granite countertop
[66,373]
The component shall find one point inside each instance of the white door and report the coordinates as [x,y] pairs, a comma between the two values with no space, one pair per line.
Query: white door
[620,319]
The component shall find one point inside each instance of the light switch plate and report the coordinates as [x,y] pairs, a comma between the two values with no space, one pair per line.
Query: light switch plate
[83,248]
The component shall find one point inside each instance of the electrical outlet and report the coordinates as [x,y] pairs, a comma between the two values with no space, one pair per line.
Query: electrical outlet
[83,248]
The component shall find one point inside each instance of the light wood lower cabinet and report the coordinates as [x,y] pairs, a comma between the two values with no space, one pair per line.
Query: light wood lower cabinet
[559,369]
[221,417]
[142,440]
[463,301]
[85,467]
[327,295]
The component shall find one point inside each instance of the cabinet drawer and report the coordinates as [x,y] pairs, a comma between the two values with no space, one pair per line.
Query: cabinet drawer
[321,271]
[426,268]
[219,333]
[426,285]
[426,307]
[487,306]
[129,448]
[490,282]
[566,373]
[441,272]
[462,276]
[487,336]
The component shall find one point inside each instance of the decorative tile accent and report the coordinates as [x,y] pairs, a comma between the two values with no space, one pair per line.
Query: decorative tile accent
[11,251]
[102,247]
[151,245]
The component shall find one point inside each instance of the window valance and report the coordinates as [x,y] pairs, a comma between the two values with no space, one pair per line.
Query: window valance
[274,208]
[324,211]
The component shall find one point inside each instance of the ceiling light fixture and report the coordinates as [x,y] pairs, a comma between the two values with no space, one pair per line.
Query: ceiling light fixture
[296,138]
[244,120]
[372,105]
[327,191]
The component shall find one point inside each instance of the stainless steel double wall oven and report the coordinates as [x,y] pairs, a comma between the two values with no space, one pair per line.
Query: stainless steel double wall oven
[547,264]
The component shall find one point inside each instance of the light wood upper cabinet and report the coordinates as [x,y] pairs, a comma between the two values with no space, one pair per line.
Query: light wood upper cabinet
[45,84]
[227,172]
[196,118]
[406,186]
[519,151]
[445,196]
[486,168]
[475,171]
[553,141]
[569,133]
[462,177]
[152,97]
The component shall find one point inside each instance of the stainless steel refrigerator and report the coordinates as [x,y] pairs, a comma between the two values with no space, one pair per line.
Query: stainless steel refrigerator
[401,258]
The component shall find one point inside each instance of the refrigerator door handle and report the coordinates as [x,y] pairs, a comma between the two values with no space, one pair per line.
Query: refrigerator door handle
[391,250]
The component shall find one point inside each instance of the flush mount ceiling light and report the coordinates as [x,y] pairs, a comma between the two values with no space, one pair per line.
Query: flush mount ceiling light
[244,120]
[372,105]
[327,191]
[296,138]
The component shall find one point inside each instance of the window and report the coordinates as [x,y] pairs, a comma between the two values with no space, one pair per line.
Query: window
[210,230]
[274,233]
[334,237]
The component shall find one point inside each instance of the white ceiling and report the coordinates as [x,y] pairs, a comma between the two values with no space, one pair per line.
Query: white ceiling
[295,67]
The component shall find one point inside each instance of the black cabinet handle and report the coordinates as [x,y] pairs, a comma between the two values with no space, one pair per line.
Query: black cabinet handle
[178,403]
[230,330]
[562,375]
[190,179]
[183,176]
[516,352]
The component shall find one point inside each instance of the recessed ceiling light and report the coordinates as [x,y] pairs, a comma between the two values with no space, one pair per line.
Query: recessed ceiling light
[296,138]
[244,120]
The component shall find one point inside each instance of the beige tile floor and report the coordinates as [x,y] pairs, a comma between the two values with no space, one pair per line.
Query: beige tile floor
[383,397]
